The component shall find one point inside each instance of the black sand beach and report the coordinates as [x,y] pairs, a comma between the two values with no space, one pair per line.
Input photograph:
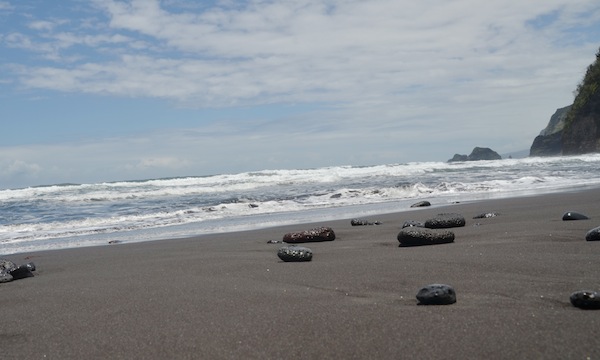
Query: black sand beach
[228,296]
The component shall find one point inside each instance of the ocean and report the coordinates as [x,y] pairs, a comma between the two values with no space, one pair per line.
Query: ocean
[73,215]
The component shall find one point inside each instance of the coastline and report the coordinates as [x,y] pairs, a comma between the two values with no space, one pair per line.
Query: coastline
[228,295]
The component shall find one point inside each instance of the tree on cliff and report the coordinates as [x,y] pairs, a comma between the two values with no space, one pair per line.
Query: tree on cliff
[582,125]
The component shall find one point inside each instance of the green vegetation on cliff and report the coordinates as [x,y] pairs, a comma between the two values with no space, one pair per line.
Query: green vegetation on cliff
[586,92]
[581,133]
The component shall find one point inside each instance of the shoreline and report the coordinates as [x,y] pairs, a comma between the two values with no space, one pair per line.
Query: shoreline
[306,217]
[228,296]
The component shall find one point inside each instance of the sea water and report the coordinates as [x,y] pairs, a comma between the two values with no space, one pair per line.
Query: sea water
[72,215]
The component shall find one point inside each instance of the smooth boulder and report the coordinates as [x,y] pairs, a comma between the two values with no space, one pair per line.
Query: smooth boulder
[417,236]
[421,204]
[295,253]
[436,294]
[593,235]
[313,235]
[585,299]
[571,215]
[446,220]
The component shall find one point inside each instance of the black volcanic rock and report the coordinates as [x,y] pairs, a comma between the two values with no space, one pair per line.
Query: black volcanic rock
[593,235]
[313,235]
[444,221]
[295,253]
[571,215]
[418,236]
[436,294]
[423,203]
[361,222]
[585,299]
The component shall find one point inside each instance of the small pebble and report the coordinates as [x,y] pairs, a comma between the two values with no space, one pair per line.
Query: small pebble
[585,299]
[571,215]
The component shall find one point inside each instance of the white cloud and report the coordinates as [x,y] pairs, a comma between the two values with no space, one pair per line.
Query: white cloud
[387,76]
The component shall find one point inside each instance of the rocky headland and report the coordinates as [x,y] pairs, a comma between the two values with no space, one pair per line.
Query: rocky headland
[574,129]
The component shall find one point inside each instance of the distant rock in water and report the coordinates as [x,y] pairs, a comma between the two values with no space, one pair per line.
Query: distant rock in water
[444,221]
[571,215]
[437,294]
[585,299]
[313,235]
[477,154]
[421,204]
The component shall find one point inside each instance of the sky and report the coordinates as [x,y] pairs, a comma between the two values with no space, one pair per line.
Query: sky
[107,90]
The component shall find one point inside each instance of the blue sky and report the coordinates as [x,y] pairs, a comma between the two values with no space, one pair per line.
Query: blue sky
[105,90]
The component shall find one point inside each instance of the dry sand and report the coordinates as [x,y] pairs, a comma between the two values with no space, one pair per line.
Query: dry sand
[228,296]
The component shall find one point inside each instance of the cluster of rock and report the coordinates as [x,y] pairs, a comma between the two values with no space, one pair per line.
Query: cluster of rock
[9,271]
[295,253]
[477,154]
[416,233]
[432,231]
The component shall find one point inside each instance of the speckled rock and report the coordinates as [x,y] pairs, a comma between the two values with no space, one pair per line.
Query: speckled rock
[436,294]
[593,235]
[421,204]
[585,299]
[5,276]
[412,223]
[444,221]
[295,253]
[360,222]
[313,235]
[486,215]
[571,215]
[417,236]
[9,271]
[7,265]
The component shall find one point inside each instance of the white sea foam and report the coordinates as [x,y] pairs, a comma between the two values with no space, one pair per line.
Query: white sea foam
[62,215]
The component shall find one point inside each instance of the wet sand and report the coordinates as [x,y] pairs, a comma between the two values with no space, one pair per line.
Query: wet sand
[228,296]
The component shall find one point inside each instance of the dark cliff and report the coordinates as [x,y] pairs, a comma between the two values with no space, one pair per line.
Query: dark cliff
[574,129]
[581,133]
[549,141]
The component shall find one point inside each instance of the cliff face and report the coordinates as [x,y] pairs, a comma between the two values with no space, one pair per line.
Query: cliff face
[549,141]
[575,129]
[581,133]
